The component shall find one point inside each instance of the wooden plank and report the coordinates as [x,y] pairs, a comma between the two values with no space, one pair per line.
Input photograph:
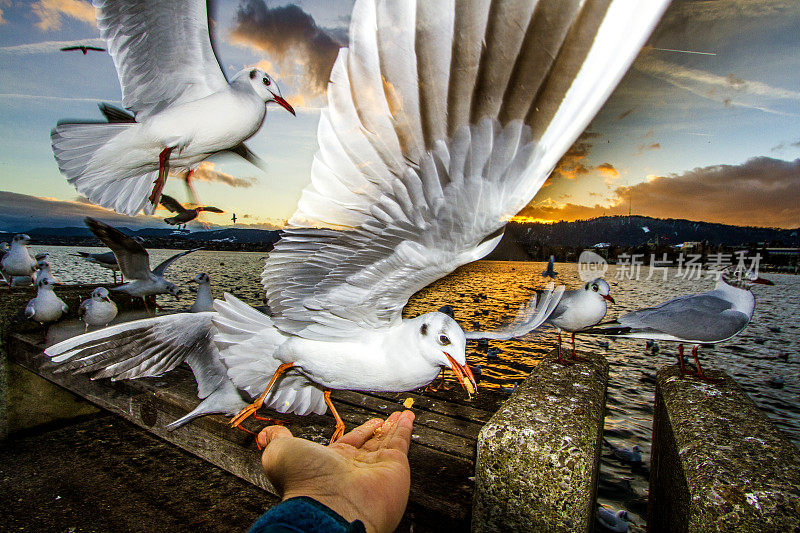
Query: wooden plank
[442,462]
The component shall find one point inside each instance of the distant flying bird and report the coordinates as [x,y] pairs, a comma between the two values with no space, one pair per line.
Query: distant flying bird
[185,109]
[184,215]
[17,261]
[97,310]
[233,218]
[706,318]
[580,308]
[83,48]
[105,260]
[441,124]
[134,261]
[549,272]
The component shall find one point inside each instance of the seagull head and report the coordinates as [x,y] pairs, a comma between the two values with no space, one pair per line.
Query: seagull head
[42,264]
[201,278]
[46,283]
[265,87]
[100,293]
[600,287]
[443,343]
[21,239]
[742,279]
[173,290]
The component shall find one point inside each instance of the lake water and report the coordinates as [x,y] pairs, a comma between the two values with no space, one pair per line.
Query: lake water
[487,294]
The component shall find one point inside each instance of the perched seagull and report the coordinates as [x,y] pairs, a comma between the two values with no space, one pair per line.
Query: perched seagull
[441,124]
[204,301]
[185,109]
[83,48]
[42,272]
[106,260]
[549,272]
[708,318]
[46,308]
[98,310]
[18,261]
[134,261]
[184,215]
[529,317]
[613,521]
[580,309]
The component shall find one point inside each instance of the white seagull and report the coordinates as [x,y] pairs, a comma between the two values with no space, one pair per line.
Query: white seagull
[18,261]
[441,124]
[204,301]
[707,318]
[134,261]
[185,110]
[97,310]
[105,260]
[46,308]
[43,271]
[580,309]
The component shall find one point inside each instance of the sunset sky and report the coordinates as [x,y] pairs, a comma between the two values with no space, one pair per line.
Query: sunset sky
[710,135]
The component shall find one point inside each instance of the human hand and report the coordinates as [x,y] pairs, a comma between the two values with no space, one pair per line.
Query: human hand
[362,476]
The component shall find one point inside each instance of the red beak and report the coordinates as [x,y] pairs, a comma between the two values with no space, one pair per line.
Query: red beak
[284,104]
[467,382]
[762,281]
[608,297]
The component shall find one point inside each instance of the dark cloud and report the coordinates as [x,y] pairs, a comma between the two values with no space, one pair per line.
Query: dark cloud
[760,192]
[289,36]
[573,163]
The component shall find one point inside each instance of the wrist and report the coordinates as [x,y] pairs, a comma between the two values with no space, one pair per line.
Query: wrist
[341,506]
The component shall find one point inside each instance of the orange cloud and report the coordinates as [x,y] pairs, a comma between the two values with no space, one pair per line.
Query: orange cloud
[51,12]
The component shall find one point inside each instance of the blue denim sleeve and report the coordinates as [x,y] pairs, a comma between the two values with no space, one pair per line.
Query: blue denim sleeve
[304,515]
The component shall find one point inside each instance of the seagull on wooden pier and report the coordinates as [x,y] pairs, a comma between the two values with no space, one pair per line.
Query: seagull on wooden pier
[441,124]
[106,260]
[134,261]
[42,272]
[17,261]
[97,310]
[204,300]
[185,110]
[46,307]
[707,318]
[184,215]
[580,308]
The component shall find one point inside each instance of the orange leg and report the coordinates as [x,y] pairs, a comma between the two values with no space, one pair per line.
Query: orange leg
[576,357]
[680,359]
[560,359]
[700,373]
[256,405]
[339,423]
[163,170]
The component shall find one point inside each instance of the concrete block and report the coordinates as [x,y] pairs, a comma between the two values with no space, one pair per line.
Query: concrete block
[539,455]
[718,463]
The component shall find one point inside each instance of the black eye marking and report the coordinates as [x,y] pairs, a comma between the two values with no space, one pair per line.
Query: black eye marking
[266,81]
[252,74]
[424,329]
[595,288]
[443,340]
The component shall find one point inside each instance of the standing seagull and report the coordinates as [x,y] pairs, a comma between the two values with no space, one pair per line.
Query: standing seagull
[106,260]
[185,109]
[98,310]
[706,318]
[46,308]
[204,301]
[549,272]
[18,261]
[43,271]
[580,309]
[134,261]
[184,215]
[442,123]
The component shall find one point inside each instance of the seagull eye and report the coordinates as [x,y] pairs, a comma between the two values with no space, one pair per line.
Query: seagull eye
[443,340]
[595,288]
[266,81]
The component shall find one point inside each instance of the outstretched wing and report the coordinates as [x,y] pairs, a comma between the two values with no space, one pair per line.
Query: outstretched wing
[161,268]
[162,51]
[132,258]
[444,119]
[530,316]
[171,203]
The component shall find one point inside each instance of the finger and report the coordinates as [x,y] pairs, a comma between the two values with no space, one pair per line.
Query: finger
[399,435]
[361,434]
[384,433]
[270,433]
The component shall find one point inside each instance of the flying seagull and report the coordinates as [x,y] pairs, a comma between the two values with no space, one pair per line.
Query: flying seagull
[184,215]
[707,318]
[134,261]
[441,124]
[83,48]
[184,108]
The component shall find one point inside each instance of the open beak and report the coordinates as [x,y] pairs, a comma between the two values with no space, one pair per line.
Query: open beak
[107,298]
[608,297]
[762,281]
[464,375]
[284,104]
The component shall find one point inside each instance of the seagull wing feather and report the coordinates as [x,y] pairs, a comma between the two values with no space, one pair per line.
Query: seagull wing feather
[132,258]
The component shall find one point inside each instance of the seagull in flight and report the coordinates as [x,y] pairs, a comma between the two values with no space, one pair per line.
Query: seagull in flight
[83,48]
[134,261]
[184,215]
[184,108]
[707,318]
[441,124]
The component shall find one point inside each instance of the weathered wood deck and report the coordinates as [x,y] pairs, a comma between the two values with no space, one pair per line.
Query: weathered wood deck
[442,455]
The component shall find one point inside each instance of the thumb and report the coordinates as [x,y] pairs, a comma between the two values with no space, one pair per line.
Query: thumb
[271,433]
